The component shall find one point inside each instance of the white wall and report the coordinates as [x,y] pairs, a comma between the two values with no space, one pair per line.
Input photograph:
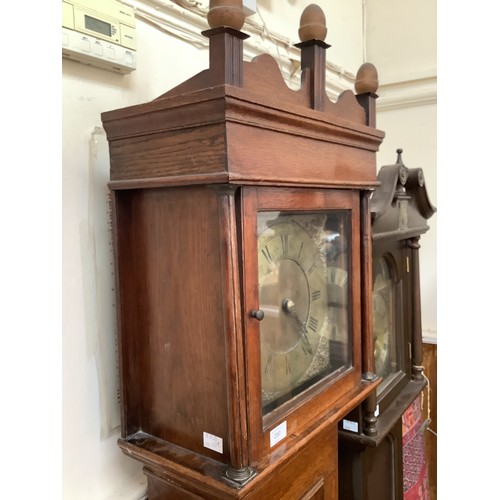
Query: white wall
[401,38]
[401,41]
[93,466]
[344,21]
[413,129]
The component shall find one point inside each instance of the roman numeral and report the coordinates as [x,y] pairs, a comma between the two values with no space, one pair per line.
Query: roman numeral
[300,250]
[284,243]
[269,365]
[267,254]
[311,269]
[313,324]
[316,295]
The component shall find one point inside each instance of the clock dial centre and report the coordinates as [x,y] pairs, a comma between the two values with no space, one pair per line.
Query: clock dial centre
[285,302]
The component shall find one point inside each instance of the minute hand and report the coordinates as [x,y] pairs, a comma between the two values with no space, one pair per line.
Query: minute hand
[289,307]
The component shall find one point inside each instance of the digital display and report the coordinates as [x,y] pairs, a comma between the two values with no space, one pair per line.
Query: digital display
[97,25]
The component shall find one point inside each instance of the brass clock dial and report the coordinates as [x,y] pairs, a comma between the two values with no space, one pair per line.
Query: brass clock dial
[383,313]
[296,329]
[381,333]
[292,296]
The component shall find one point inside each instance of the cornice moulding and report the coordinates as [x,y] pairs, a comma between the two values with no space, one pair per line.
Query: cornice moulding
[405,94]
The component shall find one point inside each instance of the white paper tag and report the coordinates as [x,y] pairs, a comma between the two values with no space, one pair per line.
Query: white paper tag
[376,413]
[349,425]
[278,433]
[212,442]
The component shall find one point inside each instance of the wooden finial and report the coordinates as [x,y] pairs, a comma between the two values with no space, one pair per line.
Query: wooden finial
[312,24]
[366,79]
[399,152]
[227,13]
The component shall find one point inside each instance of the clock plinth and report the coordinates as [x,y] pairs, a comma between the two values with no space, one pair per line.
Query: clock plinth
[243,267]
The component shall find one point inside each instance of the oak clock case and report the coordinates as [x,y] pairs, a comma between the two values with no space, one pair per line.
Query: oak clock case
[243,272]
[370,464]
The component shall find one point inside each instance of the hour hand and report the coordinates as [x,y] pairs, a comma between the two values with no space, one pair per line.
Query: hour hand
[289,307]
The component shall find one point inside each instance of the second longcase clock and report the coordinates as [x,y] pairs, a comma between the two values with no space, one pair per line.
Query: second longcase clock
[241,223]
[371,457]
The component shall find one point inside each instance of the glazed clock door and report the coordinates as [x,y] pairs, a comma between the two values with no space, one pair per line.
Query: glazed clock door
[384,305]
[295,281]
[300,293]
[389,315]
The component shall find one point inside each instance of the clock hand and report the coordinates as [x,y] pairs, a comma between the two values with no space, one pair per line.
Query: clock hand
[289,307]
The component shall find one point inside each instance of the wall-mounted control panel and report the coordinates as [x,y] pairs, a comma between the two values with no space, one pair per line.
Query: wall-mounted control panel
[99,33]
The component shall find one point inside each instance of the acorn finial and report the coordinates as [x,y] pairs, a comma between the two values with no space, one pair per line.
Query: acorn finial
[228,13]
[366,79]
[312,24]
[399,152]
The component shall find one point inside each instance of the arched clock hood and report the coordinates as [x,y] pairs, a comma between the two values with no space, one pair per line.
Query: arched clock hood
[400,205]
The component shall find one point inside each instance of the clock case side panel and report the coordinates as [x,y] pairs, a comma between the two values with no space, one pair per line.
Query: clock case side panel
[176,336]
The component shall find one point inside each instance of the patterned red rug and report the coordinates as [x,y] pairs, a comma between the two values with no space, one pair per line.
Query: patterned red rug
[415,479]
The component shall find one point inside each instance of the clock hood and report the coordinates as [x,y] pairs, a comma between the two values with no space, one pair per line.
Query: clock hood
[400,206]
[238,122]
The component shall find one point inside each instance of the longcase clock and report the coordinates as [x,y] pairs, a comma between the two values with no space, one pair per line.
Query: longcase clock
[371,458]
[243,257]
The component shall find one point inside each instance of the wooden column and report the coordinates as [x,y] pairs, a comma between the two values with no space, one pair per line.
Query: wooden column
[239,470]
[417,354]
[368,368]
[226,41]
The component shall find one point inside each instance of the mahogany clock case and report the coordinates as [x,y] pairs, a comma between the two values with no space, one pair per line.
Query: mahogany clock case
[400,208]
